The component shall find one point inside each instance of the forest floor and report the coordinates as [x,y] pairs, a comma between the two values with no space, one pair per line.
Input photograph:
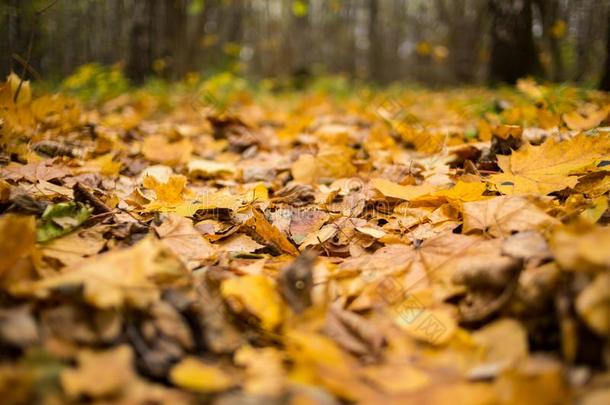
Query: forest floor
[311,247]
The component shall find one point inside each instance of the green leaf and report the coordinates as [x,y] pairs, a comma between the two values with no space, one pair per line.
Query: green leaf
[60,219]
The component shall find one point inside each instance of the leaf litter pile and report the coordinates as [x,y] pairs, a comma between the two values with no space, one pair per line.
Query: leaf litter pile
[379,247]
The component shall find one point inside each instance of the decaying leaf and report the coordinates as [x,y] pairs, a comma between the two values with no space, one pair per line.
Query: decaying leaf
[382,246]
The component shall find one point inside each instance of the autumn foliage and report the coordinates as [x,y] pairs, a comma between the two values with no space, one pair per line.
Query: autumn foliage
[221,244]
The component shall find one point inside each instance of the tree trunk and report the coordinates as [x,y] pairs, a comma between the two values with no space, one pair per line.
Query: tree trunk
[375,45]
[513,52]
[550,11]
[140,61]
[175,38]
[23,34]
[605,83]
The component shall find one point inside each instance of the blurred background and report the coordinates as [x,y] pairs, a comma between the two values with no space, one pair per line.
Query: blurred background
[434,42]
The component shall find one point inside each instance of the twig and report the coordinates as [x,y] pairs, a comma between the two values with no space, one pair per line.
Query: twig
[82,194]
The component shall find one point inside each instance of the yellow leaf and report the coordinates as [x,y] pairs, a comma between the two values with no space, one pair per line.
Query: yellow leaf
[586,249]
[435,326]
[503,341]
[393,190]
[100,374]
[221,199]
[178,234]
[548,167]
[105,165]
[258,193]
[18,235]
[335,162]
[193,374]
[593,214]
[304,169]
[593,304]
[168,194]
[131,276]
[209,168]
[16,84]
[257,295]
[158,149]
[500,216]
[396,379]
[588,119]
[264,370]
[464,192]
[57,110]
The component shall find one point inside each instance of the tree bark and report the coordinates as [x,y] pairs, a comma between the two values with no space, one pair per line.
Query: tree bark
[550,12]
[375,46]
[23,32]
[513,52]
[605,83]
[140,62]
[175,38]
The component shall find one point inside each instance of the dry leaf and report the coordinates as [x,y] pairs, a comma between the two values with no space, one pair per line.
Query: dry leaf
[257,295]
[500,216]
[193,374]
[550,166]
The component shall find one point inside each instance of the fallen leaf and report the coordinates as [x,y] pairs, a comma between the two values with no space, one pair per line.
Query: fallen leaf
[389,189]
[131,276]
[60,219]
[92,376]
[181,237]
[265,374]
[18,239]
[209,168]
[551,166]
[156,148]
[500,216]
[193,374]
[257,295]
[593,304]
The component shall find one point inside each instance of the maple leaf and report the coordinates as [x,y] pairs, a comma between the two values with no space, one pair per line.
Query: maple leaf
[169,194]
[500,216]
[550,166]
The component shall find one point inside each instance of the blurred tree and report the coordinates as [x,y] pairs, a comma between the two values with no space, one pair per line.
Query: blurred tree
[433,41]
[375,49]
[464,19]
[22,29]
[554,29]
[141,58]
[513,52]
[175,38]
[605,82]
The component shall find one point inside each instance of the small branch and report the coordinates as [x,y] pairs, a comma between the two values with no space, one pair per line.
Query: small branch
[82,194]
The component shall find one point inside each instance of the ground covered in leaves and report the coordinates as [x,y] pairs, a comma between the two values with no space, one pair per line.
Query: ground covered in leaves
[377,246]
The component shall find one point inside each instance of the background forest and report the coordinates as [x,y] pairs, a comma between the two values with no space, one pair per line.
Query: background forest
[429,41]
